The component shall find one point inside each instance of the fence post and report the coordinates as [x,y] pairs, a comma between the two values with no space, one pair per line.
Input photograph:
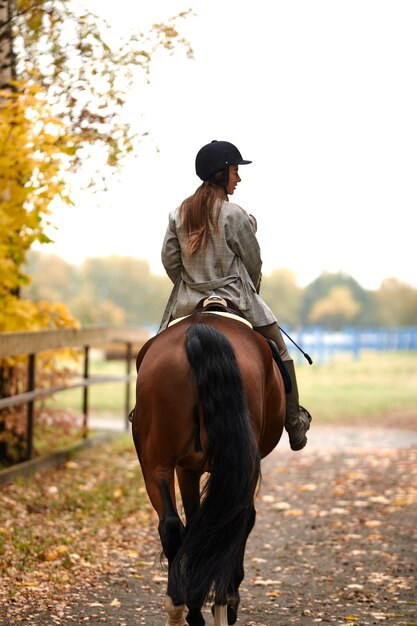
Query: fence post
[127,396]
[30,407]
[85,391]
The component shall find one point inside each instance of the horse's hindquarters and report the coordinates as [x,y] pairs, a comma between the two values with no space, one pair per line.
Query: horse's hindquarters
[207,389]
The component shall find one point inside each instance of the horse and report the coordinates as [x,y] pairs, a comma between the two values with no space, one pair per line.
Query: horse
[210,404]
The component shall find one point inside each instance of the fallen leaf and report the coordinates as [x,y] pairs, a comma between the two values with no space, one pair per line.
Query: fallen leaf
[294,512]
[54,553]
[339,511]
[265,582]
[280,506]
[273,594]
[379,500]
[71,465]
[132,553]
[159,579]
[307,488]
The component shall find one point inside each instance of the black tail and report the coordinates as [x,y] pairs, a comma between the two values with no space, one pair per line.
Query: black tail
[214,542]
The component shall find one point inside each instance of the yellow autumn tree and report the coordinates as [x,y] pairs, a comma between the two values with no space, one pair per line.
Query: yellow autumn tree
[64,81]
[33,147]
[336,309]
[34,151]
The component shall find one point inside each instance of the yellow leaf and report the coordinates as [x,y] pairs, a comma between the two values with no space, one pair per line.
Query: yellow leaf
[307,488]
[54,553]
[294,513]
[273,594]
[373,523]
[133,553]
[50,555]
[281,506]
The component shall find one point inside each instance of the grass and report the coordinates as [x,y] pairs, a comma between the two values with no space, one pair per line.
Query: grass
[378,383]
[104,398]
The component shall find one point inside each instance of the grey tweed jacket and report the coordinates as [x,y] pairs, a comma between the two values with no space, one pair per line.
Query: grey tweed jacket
[230,268]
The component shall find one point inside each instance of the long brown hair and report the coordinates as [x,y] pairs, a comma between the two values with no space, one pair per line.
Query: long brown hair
[200,215]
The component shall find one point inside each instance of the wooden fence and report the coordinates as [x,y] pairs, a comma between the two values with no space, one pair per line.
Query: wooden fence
[30,344]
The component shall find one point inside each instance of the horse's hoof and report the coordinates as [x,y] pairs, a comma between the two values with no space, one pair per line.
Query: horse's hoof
[232,605]
[195,618]
[231,615]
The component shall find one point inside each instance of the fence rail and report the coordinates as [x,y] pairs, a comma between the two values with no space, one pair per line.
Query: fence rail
[30,344]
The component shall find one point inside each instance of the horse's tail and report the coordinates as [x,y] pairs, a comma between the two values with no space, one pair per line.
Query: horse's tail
[212,551]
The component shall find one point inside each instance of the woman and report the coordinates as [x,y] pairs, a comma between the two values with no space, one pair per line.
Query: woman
[210,248]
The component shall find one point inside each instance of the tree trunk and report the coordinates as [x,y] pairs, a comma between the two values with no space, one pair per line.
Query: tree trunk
[7,74]
[7,57]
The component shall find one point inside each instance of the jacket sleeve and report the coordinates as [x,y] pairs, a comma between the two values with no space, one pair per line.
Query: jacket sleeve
[171,252]
[242,240]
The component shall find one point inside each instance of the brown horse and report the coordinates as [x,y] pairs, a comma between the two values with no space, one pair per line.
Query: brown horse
[210,401]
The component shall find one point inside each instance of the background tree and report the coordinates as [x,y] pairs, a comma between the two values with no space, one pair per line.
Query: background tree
[282,294]
[127,282]
[108,290]
[113,289]
[335,310]
[322,286]
[52,278]
[395,303]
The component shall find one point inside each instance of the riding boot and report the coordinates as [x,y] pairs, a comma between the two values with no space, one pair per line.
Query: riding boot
[297,418]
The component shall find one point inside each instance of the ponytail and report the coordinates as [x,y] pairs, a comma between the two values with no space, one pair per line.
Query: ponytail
[200,215]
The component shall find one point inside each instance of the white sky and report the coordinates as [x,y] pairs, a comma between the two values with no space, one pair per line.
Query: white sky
[320,94]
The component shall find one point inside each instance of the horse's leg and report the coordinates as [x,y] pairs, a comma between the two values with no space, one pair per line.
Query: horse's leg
[189,484]
[220,615]
[233,598]
[175,613]
[171,532]
[160,488]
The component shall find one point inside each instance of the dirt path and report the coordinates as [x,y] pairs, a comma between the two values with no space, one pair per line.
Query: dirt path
[334,542]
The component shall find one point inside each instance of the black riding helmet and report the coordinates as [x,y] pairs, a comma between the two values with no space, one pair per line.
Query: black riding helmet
[216,157]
